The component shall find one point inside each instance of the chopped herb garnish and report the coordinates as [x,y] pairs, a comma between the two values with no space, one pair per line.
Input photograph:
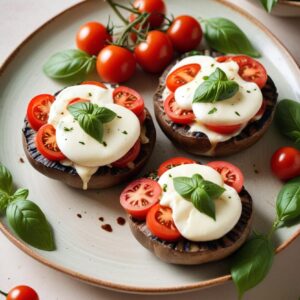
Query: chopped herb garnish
[165,187]
[170,175]
[82,143]
[237,113]
[104,144]
[68,129]
[124,132]
[248,91]
[90,94]
[119,117]
[205,77]
[212,111]
[212,65]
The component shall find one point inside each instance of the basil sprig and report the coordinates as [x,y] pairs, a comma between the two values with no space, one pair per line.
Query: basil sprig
[24,217]
[69,64]
[268,4]
[91,118]
[216,87]
[225,36]
[287,119]
[200,192]
[251,264]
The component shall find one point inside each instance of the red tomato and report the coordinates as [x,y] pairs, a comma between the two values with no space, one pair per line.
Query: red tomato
[285,163]
[97,83]
[115,64]
[129,98]
[22,292]
[224,129]
[78,100]
[139,196]
[173,162]
[181,76]
[130,156]
[46,143]
[185,33]
[231,174]
[156,8]
[250,69]
[92,37]
[160,222]
[38,110]
[177,114]
[142,117]
[154,54]
[261,111]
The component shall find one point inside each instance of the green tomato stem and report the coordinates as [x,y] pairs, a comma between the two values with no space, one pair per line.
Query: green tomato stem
[118,13]
[132,10]
[4,294]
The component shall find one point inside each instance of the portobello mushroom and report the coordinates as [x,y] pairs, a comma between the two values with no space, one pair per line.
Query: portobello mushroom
[198,142]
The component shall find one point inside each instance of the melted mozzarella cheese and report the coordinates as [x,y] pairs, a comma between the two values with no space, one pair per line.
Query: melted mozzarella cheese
[191,223]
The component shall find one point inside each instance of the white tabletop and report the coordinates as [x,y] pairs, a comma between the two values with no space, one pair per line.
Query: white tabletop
[18,18]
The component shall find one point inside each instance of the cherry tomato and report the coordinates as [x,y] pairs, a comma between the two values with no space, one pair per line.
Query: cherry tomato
[181,76]
[97,83]
[173,162]
[160,222]
[139,196]
[285,163]
[250,69]
[142,117]
[154,54]
[129,98]
[156,8]
[115,64]
[185,33]
[78,100]
[224,129]
[38,110]
[46,143]
[231,174]
[92,37]
[129,157]
[177,114]
[22,292]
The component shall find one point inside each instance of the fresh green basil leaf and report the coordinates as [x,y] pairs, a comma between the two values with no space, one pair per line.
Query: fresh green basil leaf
[6,183]
[251,263]
[4,199]
[20,194]
[287,118]
[68,64]
[225,36]
[197,180]
[216,88]
[203,202]
[30,224]
[184,186]
[268,4]
[92,126]
[288,202]
[295,180]
[192,53]
[104,114]
[213,190]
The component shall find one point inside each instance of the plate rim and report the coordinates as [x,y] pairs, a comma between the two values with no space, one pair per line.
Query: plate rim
[290,3]
[123,287]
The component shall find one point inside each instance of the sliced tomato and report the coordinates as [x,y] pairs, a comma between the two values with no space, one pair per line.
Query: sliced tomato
[46,143]
[161,224]
[173,162]
[139,196]
[182,76]
[177,114]
[130,156]
[250,69]
[97,83]
[224,129]
[129,98]
[142,117]
[231,174]
[261,111]
[78,100]
[38,110]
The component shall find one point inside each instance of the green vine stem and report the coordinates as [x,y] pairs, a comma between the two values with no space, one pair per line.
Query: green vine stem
[2,293]
[118,13]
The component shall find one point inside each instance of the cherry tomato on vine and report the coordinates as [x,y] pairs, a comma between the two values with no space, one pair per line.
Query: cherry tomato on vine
[224,129]
[46,143]
[92,37]
[154,54]
[129,157]
[22,292]
[185,33]
[38,110]
[115,64]
[285,163]
[173,162]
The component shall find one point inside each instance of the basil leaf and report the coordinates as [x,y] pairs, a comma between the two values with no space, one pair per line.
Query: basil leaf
[20,194]
[203,202]
[6,183]
[213,190]
[288,202]
[4,199]
[268,4]
[251,264]
[184,186]
[104,114]
[92,126]
[30,224]
[216,88]
[69,64]
[225,36]
[287,118]
[295,180]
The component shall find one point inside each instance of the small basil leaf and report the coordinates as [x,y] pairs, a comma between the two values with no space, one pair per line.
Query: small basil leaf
[92,126]
[288,202]
[104,114]
[287,118]
[184,186]
[6,183]
[197,179]
[20,194]
[225,36]
[268,4]
[213,190]
[203,202]
[68,64]
[81,108]
[30,224]
[4,199]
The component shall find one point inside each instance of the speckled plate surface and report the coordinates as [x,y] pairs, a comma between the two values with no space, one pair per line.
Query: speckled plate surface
[116,260]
